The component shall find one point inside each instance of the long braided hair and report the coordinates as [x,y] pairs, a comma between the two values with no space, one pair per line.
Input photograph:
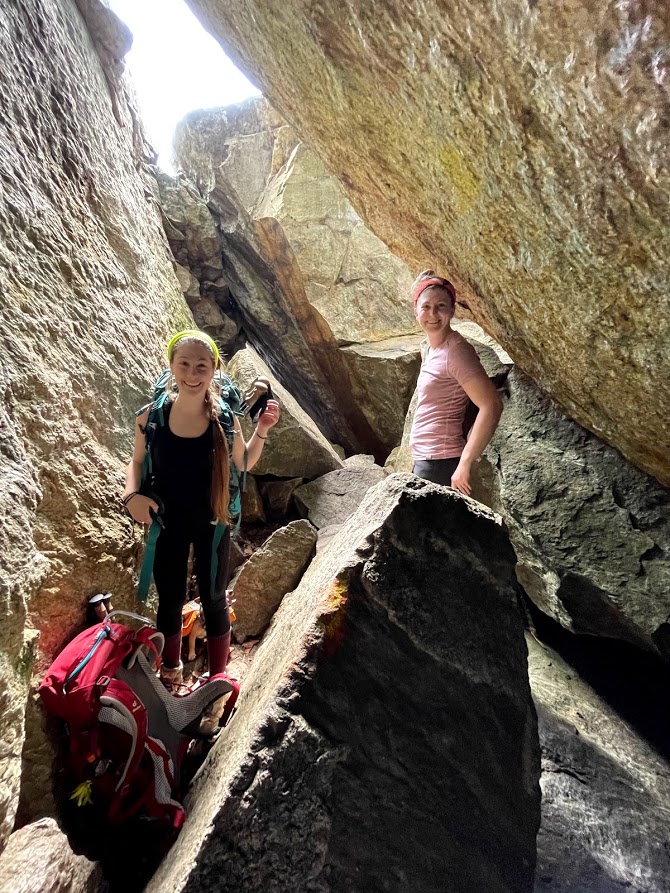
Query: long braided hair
[220,493]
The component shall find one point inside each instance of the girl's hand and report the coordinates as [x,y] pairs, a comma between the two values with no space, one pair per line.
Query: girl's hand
[138,508]
[269,418]
[460,479]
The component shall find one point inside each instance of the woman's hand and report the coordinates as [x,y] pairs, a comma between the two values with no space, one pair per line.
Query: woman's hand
[269,417]
[139,506]
[460,479]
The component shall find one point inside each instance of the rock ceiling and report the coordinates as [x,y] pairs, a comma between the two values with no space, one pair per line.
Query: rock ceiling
[518,147]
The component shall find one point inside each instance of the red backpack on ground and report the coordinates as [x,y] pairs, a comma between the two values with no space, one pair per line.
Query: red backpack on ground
[128,736]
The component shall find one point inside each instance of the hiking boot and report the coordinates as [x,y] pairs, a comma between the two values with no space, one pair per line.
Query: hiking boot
[173,678]
[209,722]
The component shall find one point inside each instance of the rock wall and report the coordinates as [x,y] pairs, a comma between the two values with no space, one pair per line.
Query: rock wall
[591,531]
[88,294]
[520,148]
[359,287]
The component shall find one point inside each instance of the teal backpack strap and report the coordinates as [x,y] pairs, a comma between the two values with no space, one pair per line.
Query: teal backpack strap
[219,531]
[147,571]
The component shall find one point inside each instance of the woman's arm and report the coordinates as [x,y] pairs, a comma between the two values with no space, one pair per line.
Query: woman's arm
[483,394]
[138,506]
[255,444]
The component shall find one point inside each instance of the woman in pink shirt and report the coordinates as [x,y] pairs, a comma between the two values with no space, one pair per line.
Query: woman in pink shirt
[451,375]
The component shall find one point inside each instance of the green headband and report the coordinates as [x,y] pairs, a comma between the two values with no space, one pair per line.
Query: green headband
[193,333]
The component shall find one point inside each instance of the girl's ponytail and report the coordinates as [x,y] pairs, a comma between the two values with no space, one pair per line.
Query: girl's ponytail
[220,497]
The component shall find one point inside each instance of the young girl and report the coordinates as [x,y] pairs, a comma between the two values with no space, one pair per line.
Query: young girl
[190,475]
[451,375]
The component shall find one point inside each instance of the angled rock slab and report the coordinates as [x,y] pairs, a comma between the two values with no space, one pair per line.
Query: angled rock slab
[605,791]
[268,286]
[38,859]
[295,447]
[385,737]
[331,499]
[271,572]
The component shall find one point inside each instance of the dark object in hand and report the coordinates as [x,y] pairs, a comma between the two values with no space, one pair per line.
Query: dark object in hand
[257,398]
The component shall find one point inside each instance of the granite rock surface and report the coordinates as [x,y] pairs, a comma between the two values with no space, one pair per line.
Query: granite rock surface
[385,736]
[517,147]
[88,297]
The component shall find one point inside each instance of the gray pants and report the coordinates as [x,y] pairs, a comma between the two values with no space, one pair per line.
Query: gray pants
[439,471]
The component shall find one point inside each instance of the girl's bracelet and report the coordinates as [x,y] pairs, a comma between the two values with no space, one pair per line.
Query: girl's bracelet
[260,436]
[126,499]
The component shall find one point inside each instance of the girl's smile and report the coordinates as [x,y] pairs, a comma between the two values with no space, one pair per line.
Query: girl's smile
[192,367]
[434,311]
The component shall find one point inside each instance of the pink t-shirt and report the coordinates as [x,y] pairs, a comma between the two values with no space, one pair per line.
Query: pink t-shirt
[437,430]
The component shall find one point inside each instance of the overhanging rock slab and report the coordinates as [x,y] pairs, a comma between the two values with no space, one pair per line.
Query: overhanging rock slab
[385,737]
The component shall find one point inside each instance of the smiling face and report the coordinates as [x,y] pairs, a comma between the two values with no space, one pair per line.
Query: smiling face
[192,365]
[434,311]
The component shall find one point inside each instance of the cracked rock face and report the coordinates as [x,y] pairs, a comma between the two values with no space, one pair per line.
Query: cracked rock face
[358,290]
[385,737]
[520,148]
[359,287]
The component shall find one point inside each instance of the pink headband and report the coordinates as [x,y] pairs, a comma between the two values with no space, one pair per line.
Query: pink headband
[430,283]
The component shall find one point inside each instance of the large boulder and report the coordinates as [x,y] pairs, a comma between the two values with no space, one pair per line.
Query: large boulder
[271,572]
[521,149]
[385,735]
[331,499]
[605,790]
[385,374]
[38,859]
[88,297]
[295,447]
[591,531]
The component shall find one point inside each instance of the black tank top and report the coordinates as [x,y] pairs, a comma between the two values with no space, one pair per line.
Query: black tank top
[182,471]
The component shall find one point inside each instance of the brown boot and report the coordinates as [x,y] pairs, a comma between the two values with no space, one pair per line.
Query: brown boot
[211,718]
[173,678]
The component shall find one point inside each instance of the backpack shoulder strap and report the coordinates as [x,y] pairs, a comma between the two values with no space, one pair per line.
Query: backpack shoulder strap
[158,412]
